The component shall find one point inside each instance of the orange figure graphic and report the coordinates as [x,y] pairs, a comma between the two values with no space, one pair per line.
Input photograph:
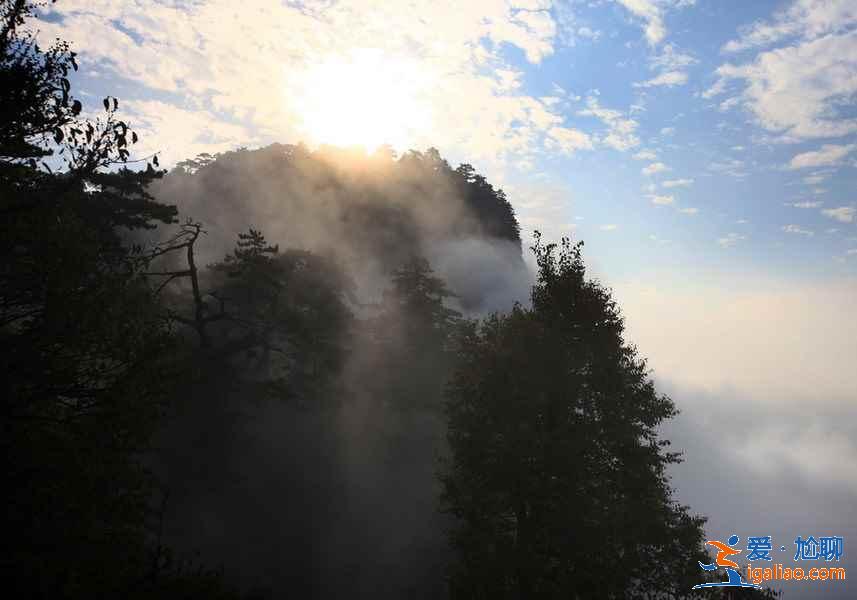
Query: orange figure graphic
[724,551]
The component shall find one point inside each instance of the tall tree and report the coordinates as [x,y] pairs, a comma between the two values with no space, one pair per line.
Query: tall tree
[414,330]
[82,340]
[259,302]
[557,476]
[417,300]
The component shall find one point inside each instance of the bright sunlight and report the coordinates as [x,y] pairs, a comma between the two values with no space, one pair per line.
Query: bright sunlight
[364,98]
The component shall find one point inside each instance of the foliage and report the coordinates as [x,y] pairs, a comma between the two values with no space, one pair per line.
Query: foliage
[35,102]
[417,300]
[413,333]
[291,303]
[267,316]
[557,477]
[82,340]
[496,214]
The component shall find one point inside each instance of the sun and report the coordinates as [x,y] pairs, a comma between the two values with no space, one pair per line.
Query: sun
[364,98]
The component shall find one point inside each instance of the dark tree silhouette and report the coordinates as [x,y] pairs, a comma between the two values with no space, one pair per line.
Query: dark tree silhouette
[557,476]
[258,303]
[496,214]
[83,344]
[414,330]
[418,301]
[35,103]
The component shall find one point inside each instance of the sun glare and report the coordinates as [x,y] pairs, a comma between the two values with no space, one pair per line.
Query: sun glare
[364,98]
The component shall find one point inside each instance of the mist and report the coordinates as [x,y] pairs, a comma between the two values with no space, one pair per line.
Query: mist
[334,493]
[766,425]
[370,212]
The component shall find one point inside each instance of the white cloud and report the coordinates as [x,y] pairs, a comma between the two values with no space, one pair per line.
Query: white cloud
[662,200]
[828,155]
[674,183]
[797,91]
[609,227]
[670,65]
[176,133]
[567,140]
[667,130]
[806,204]
[671,59]
[729,104]
[730,239]
[586,32]
[732,167]
[689,210]
[651,12]
[645,155]
[845,214]
[657,167]
[796,229]
[621,130]
[808,19]
[249,68]
[667,78]
[717,88]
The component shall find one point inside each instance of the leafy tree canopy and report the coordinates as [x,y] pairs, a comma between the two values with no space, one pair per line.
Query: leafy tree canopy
[557,475]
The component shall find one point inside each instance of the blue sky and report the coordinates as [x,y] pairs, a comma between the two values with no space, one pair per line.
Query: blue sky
[705,150]
[723,157]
